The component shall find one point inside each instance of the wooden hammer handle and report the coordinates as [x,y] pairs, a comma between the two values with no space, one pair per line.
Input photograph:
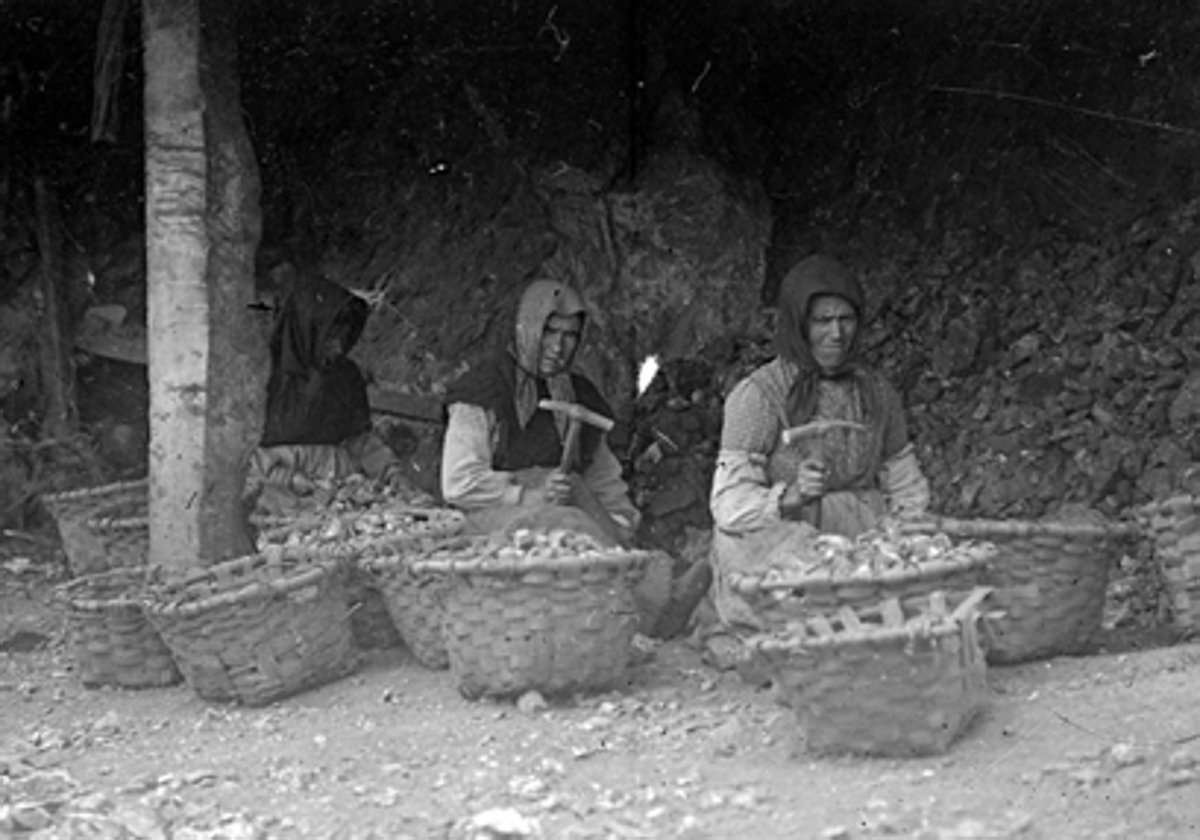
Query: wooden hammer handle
[570,446]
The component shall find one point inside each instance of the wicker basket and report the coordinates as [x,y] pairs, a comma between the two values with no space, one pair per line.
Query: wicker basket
[779,599]
[112,641]
[1174,525]
[553,624]
[1049,578]
[898,679]
[126,539]
[390,603]
[73,511]
[258,628]
[371,622]
[414,601]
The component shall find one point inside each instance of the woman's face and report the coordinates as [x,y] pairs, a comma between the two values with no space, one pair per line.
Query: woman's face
[832,325]
[560,337]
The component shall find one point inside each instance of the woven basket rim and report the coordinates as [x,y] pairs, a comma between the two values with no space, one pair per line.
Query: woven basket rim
[384,563]
[983,528]
[65,593]
[118,522]
[175,598]
[96,490]
[796,637]
[615,559]
[749,584]
[1170,505]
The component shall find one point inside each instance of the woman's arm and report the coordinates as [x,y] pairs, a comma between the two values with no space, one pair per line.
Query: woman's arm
[743,498]
[468,480]
[904,485]
[603,478]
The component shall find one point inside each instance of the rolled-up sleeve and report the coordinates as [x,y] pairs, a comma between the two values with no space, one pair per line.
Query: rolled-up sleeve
[743,498]
[468,480]
[603,478]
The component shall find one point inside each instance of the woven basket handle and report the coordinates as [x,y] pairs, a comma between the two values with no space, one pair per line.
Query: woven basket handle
[963,611]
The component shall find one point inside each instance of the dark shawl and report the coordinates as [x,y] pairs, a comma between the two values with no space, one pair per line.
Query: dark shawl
[313,401]
[510,386]
[493,386]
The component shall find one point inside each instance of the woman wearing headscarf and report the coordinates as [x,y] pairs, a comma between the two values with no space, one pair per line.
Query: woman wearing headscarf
[502,452]
[318,426]
[837,477]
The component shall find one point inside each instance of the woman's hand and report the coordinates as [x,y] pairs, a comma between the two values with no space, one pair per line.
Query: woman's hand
[808,485]
[545,486]
[557,489]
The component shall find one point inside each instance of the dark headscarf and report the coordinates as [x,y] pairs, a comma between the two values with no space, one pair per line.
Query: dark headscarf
[312,399]
[813,277]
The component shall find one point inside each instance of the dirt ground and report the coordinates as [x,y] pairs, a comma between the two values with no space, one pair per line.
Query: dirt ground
[1099,746]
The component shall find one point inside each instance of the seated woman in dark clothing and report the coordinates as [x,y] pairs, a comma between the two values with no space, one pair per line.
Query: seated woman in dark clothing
[318,420]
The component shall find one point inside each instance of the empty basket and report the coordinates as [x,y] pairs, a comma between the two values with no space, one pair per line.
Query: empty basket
[75,510]
[898,679]
[113,642]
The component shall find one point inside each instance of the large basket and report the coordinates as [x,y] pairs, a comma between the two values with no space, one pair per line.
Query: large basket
[74,511]
[112,641]
[780,598]
[258,628]
[898,679]
[1049,578]
[523,616]
[1174,525]
[389,603]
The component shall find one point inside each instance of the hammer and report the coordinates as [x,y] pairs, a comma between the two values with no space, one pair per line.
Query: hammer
[585,499]
[816,428]
[576,416]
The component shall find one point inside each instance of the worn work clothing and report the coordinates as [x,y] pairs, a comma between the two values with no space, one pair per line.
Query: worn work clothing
[318,430]
[470,482]
[869,473]
[316,395]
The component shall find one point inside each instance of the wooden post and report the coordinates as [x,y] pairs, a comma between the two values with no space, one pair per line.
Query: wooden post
[207,357]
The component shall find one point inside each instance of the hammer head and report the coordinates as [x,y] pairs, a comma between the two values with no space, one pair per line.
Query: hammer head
[575,411]
[816,428]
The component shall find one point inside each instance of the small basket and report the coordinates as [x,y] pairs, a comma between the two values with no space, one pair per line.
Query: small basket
[112,641]
[389,601]
[258,628]
[526,617]
[74,510]
[779,599]
[898,679]
[1049,577]
[1174,525]
[126,540]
